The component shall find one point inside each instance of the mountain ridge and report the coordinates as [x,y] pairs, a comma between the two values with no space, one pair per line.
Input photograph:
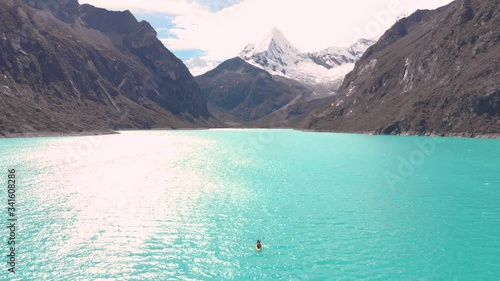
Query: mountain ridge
[69,67]
[433,73]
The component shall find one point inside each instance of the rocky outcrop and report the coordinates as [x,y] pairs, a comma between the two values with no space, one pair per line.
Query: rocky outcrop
[489,104]
[64,10]
[434,72]
[70,67]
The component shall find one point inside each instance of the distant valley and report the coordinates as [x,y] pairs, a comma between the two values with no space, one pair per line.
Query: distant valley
[272,76]
[238,92]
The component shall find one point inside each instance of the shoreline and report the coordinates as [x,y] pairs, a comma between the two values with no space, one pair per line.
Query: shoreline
[407,134]
[44,134]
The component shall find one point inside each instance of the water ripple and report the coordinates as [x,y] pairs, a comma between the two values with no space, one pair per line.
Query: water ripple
[190,205]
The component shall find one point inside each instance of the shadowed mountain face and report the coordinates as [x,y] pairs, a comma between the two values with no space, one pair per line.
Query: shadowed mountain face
[69,67]
[434,72]
[291,116]
[238,92]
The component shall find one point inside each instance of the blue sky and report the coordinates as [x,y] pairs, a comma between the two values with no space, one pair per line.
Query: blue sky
[163,24]
[219,29]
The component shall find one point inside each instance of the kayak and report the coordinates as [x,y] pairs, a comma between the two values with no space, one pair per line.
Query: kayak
[258,249]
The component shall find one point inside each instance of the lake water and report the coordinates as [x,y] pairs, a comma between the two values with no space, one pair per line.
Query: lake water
[190,205]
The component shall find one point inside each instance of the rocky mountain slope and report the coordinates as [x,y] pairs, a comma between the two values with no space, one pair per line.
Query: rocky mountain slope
[291,116]
[238,92]
[434,72]
[66,67]
[321,71]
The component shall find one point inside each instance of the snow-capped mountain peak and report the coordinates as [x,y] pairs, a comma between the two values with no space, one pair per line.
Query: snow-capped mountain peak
[275,43]
[323,70]
[275,53]
[360,46]
[337,56]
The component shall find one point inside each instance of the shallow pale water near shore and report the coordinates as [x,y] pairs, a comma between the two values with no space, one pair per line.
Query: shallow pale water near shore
[179,205]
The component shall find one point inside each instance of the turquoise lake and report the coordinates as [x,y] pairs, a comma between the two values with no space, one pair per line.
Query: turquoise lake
[190,205]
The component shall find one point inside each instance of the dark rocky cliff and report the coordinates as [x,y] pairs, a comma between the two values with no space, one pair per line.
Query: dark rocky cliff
[434,72]
[69,67]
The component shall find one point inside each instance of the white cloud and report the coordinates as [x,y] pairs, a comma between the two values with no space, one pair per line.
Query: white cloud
[174,7]
[216,5]
[308,24]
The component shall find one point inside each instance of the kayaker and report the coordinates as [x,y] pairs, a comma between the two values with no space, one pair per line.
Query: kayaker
[258,244]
